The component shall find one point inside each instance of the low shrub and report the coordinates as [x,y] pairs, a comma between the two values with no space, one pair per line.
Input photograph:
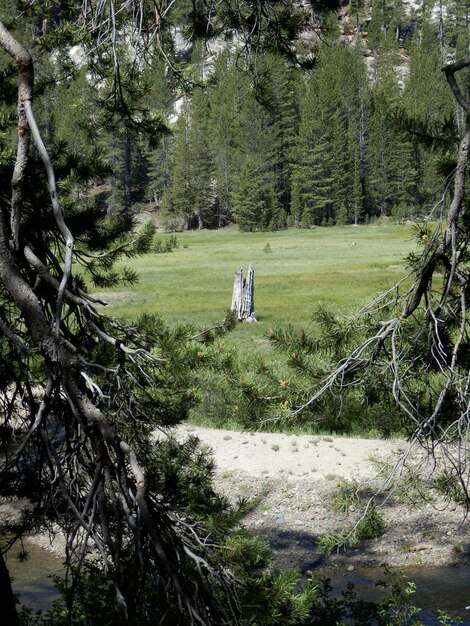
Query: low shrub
[165,244]
[370,526]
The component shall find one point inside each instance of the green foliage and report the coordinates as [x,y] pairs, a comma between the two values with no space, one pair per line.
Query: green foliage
[183,473]
[7,155]
[191,194]
[370,526]
[334,609]
[310,353]
[391,173]
[267,599]
[398,608]
[232,393]
[253,197]
[165,244]
[144,239]
[335,542]
[346,496]
[89,600]
[328,154]
[448,483]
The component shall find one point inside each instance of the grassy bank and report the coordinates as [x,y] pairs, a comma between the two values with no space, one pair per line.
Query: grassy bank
[342,268]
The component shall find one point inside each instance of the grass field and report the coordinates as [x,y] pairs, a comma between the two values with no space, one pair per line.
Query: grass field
[342,267]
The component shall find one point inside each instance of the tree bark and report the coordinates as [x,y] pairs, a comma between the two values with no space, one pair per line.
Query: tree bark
[7,598]
[91,439]
[243,295]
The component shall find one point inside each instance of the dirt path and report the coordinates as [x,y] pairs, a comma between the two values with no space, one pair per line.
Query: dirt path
[290,482]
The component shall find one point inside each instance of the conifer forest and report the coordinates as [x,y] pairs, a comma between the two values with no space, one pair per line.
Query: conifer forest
[121,117]
[355,130]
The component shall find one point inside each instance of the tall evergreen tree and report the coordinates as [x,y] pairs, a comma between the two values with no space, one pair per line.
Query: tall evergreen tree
[328,171]
[386,16]
[426,96]
[279,90]
[314,158]
[179,207]
[192,191]
[353,85]
[159,99]
[201,162]
[391,167]
[253,196]
[428,104]
[356,7]
[224,130]
[256,145]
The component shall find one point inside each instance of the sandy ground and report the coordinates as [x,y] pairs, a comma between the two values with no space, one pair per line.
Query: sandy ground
[290,482]
[298,456]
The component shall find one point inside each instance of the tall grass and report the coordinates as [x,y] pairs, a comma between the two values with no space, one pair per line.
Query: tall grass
[342,267]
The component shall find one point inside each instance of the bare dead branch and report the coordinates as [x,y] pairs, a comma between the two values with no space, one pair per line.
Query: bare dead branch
[84,462]
[429,312]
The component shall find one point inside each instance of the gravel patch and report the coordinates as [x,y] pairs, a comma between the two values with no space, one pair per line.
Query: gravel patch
[290,481]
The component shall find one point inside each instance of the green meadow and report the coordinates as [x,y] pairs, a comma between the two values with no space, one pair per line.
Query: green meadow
[342,267]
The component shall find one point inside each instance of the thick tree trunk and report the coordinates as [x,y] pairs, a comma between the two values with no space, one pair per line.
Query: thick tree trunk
[9,616]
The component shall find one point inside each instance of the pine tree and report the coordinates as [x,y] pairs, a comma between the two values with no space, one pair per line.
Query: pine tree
[427,103]
[353,86]
[355,155]
[72,120]
[160,161]
[386,16]
[201,162]
[180,202]
[279,89]
[256,139]
[160,100]
[313,172]
[329,167]
[223,129]
[391,169]
[253,195]
[356,8]
[426,96]
[192,195]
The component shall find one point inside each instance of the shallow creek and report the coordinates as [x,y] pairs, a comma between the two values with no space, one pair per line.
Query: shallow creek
[445,588]
[437,588]
[33,577]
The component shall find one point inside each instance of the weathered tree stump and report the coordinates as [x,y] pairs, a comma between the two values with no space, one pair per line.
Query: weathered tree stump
[243,295]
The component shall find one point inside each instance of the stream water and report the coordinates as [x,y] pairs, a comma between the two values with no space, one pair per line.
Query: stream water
[437,588]
[33,577]
[445,588]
